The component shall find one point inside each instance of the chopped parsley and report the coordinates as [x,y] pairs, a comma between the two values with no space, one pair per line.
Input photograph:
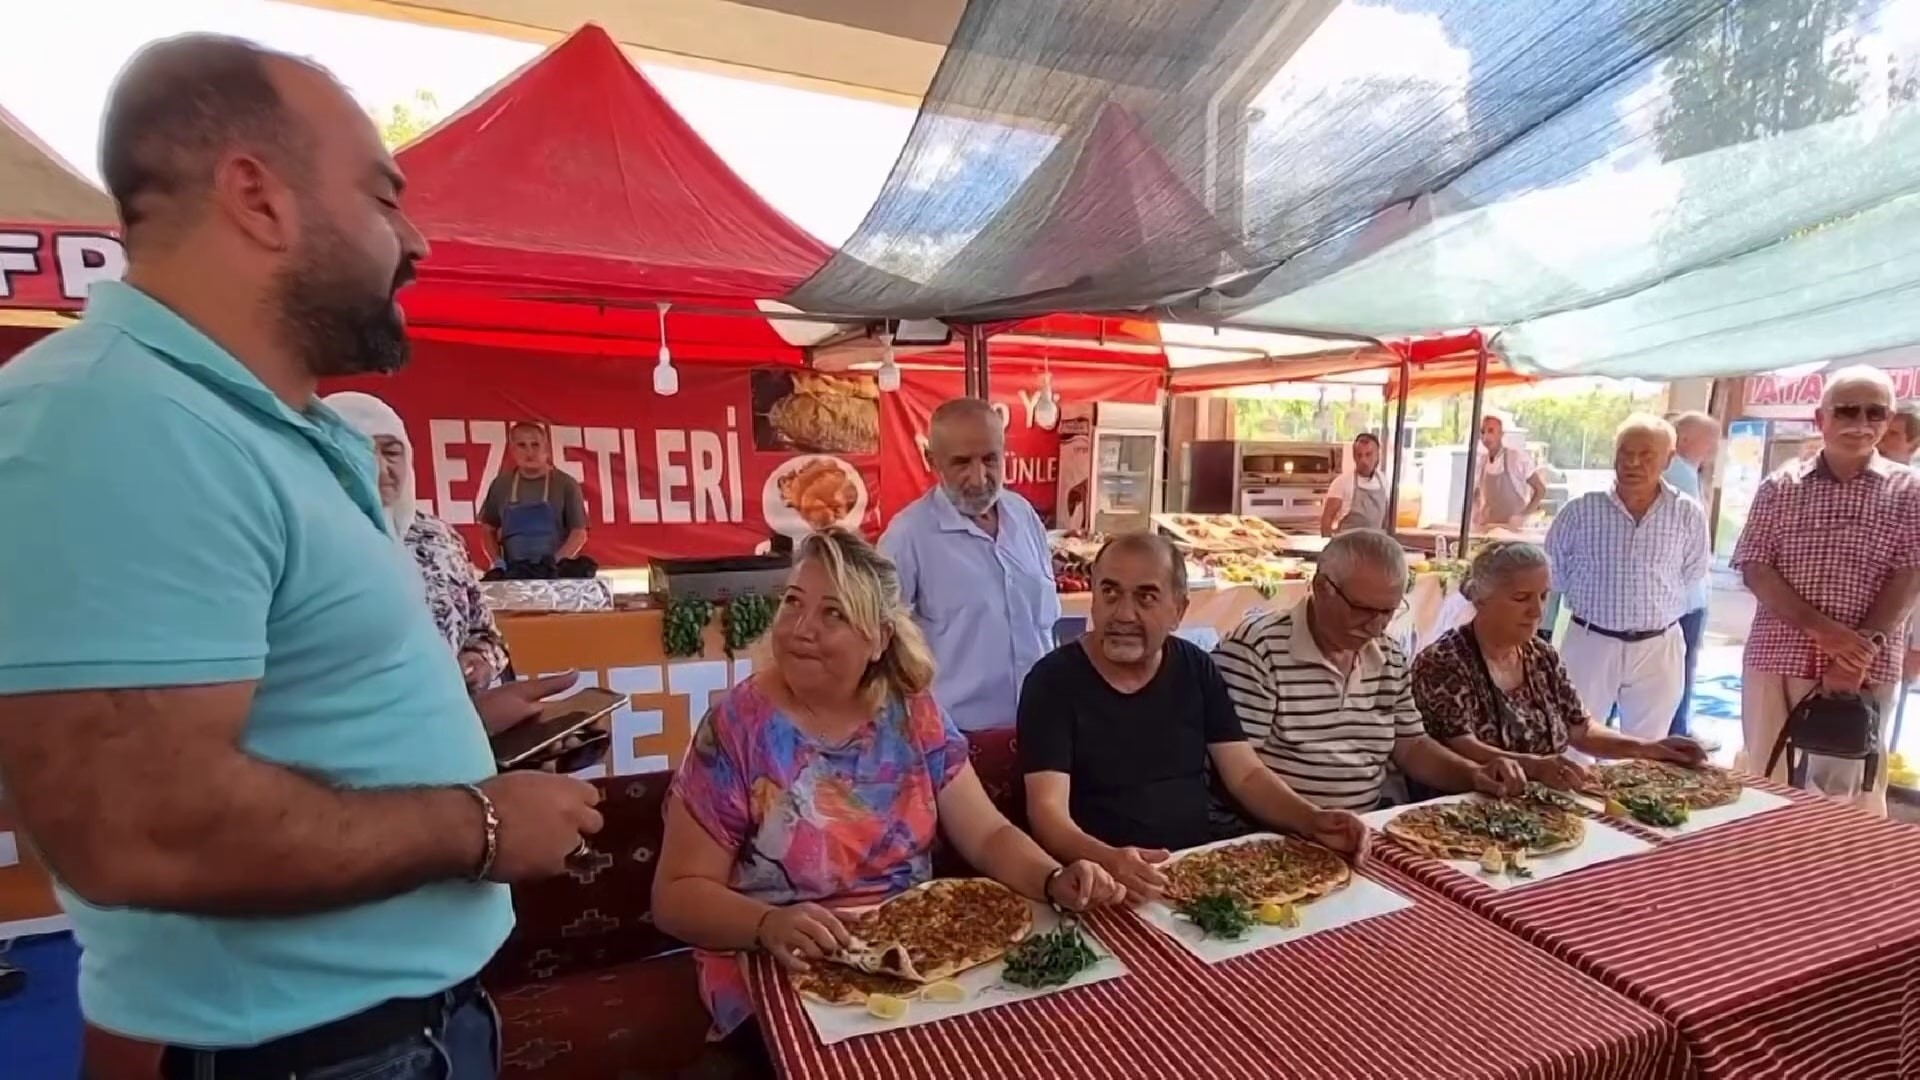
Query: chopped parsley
[1049,959]
[1219,914]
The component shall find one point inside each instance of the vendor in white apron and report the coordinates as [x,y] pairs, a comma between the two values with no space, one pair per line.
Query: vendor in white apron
[1511,485]
[1358,497]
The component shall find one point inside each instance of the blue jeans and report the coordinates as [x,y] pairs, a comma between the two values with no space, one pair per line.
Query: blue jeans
[1693,627]
[465,1046]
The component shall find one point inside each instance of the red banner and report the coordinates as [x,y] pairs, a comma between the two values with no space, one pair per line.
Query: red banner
[1033,452]
[52,266]
[713,470]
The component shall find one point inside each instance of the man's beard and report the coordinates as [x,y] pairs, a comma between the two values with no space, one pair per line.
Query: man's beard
[974,505]
[330,318]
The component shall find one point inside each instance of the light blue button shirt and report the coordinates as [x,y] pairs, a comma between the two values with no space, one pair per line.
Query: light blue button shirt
[176,524]
[986,603]
[1685,478]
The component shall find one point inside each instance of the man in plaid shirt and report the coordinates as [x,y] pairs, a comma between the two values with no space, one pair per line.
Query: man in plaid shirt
[1626,562]
[1829,553]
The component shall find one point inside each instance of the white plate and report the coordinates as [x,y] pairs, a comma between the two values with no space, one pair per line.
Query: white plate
[838,1023]
[1601,845]
[1751,801]
[1363,898]
[785,519]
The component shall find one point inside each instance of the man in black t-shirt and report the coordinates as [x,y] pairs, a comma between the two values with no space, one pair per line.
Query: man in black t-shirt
[1117,732]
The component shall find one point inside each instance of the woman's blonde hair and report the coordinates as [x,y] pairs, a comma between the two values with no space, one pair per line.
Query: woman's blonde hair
[868,585]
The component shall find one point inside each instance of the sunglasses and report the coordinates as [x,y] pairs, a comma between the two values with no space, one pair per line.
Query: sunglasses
[1872,414]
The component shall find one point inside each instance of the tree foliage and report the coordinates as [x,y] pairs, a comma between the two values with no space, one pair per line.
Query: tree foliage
[403,121]
[1758,69]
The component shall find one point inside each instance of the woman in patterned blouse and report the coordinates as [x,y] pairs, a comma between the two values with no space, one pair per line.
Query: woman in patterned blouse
[452,586]
[1493,688]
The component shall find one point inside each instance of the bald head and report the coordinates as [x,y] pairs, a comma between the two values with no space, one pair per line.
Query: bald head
[177,107]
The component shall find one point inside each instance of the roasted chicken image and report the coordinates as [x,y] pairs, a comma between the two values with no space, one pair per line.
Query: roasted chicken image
[830,414]
[822,491]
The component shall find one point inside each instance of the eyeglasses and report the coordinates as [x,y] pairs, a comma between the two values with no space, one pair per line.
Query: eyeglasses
[1371,614]
[1872,414]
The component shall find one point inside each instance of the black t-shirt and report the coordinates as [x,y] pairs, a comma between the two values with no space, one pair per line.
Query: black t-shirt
[1138,761]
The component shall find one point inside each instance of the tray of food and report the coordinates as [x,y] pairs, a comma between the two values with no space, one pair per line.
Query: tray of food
[945,948]
[1509,842]
[1233,897]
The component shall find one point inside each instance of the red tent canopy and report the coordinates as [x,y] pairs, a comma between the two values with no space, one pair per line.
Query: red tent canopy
[571,197]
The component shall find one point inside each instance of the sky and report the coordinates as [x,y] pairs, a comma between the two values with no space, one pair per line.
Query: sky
[818,159]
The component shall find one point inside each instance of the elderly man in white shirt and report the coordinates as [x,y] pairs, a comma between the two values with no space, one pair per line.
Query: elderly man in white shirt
[976,569]
[1626,562]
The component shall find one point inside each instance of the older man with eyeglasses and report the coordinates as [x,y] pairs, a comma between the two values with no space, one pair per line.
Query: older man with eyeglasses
[1828,551]
[1327,699]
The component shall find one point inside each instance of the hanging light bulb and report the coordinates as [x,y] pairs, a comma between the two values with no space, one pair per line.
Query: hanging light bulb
[889,378]
[666,381]
[1046,411]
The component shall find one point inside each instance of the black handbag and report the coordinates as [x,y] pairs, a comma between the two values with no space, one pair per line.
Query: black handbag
[1842,725]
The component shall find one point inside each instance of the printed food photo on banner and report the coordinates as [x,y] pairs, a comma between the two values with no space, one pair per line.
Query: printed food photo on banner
[737,455]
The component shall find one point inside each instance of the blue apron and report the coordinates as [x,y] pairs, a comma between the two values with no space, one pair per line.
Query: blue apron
[531,531]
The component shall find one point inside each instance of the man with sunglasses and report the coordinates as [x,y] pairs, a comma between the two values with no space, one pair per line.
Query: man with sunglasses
[1627,562]
[1327,699]
[1828,551]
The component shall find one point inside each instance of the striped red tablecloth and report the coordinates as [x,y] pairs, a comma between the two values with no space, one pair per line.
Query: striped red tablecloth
[1785,945]
[1425,993]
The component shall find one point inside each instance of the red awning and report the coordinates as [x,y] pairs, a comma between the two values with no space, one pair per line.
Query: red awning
[576,194]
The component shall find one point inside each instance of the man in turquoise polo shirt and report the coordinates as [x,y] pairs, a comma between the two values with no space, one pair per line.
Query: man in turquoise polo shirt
[226,719]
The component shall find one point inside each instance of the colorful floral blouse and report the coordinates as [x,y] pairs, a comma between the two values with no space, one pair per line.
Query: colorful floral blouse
[846,824]
[453,591]
[1456,700]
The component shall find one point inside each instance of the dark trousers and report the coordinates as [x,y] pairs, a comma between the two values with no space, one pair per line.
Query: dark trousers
[1693,627]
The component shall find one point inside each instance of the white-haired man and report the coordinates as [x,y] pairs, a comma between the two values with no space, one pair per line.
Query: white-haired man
[1327,701]
[1828,551]
[976,569]
[1696,442]
[1626,563]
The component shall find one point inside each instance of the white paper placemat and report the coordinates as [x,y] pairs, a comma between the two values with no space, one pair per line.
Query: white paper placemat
[1602,844]
[838,1023]
[1363,898]
[1751,801]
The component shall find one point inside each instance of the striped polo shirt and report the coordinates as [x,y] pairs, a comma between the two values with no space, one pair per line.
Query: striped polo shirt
[1329,737]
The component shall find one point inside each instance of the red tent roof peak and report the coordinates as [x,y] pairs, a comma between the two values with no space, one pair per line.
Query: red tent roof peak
[574,176]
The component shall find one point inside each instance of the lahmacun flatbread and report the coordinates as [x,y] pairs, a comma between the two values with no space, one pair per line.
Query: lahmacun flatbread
[1470,828]
[1265,870]
[837,984]
[938,929]
[1698,789]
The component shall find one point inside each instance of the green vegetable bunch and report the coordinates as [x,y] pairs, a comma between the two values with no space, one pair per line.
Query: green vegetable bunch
[1049,959]
[1652,810]
[1219,914]
[746,617]
[686,626]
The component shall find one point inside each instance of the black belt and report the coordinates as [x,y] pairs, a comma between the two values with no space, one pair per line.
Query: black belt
[1628,636]
[361,1035]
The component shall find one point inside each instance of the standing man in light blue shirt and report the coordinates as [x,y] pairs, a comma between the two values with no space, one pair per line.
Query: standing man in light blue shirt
[227,721]
[976,569]
[1696,442]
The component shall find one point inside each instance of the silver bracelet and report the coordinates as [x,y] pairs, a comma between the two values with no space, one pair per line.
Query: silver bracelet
[491,824]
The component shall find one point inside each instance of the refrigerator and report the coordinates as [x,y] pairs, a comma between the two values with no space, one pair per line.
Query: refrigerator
[1109,467]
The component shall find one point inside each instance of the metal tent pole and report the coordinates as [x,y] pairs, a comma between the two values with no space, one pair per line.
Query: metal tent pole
[983,355]
[1473,441]
[970,357]
[1392,524]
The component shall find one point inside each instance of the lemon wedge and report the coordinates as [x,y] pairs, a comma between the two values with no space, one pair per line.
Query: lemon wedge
[886,1006]
[1277,915]
[1616,808]
[945,992]
[1493,861]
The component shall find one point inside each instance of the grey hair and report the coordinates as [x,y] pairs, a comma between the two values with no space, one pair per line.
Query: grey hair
[1688,420]
[1908,414]
[1645,424]
[1362,546]
[1858,375]
[1494,564]
[1147,543]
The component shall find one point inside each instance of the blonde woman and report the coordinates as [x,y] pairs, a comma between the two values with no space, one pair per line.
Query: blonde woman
[821,781]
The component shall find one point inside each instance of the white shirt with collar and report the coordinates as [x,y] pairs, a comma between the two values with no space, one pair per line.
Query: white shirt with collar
[987,604]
